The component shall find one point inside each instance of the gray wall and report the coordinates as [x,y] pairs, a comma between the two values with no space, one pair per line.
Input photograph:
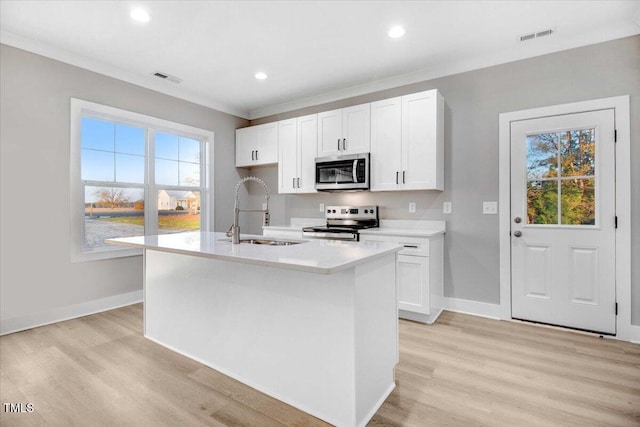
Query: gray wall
[473,102]
[36,272]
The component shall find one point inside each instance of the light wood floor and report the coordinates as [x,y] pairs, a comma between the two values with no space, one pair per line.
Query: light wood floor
[462,371]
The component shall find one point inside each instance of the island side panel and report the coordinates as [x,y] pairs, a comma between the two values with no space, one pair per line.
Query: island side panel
[376,334]
[289,334]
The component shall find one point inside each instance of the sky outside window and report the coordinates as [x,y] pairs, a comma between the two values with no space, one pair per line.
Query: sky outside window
[112,151]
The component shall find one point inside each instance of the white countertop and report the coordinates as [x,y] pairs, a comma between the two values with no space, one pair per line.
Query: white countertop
[313,256]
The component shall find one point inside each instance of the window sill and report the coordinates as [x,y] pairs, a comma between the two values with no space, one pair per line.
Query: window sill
[105,253]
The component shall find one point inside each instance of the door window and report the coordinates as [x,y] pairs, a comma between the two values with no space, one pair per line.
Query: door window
[561,178]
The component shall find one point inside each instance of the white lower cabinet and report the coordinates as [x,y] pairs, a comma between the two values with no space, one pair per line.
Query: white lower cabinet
[413,284]
[419,275]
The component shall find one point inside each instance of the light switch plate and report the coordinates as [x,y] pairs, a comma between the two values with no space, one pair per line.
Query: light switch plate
[446,207]
[490,208]
[412,207]
[321,207]
[264,206]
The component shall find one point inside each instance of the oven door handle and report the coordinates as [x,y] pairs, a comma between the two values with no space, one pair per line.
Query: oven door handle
[330,236]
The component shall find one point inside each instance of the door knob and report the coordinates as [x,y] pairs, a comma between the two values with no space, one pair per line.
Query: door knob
[517,233]
[517,220]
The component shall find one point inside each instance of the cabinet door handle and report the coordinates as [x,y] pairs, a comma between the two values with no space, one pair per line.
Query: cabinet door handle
[411,246]
[344,144]
[293,183]
[252,151]
[397,173]
[338,144]
[298,182]
[403,173]
[256,154]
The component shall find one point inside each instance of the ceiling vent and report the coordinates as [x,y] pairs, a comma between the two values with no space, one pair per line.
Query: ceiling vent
[537,34]
[166,76]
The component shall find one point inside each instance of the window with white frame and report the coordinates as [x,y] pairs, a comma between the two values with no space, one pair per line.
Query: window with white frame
[134,175]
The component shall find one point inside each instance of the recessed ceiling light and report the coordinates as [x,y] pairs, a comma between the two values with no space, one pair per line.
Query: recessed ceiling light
[260,76]
[140,15]
[396,32]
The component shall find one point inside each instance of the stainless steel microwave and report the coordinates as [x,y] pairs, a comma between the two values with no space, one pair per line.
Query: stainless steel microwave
[342,173]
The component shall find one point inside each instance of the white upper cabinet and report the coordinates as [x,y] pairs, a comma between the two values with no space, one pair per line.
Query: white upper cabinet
[344,131]
[307,152]
[329,133]
[287,156]
[257,145]
[423,141]
[407,143]
[297,145]
[405,136]
[386,151]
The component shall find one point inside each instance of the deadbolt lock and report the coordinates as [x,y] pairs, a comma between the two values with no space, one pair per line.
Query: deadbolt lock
[517,220]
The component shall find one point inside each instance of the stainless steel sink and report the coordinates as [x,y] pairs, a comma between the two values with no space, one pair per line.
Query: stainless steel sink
[271,242]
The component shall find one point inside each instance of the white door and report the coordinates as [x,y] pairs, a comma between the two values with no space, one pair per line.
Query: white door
[267,151]
[307,151]
[356,129]
[563,220]
[420,156]
[287,156]
[386,141]
[246,146]
[413,284]
[329,133]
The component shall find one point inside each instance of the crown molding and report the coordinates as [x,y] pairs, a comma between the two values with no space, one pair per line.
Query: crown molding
[515,53]
[147,82]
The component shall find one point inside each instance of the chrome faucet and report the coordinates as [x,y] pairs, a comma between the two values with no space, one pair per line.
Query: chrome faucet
[234,231]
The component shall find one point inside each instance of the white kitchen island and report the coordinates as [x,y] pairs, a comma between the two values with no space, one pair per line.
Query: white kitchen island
[312,324]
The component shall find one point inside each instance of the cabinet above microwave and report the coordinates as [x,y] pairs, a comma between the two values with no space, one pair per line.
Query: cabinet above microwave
[344,131]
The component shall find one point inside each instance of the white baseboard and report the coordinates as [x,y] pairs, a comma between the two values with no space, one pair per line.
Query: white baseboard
[631,333]
[476,308]
[59,314]
[634,334]
[419,317]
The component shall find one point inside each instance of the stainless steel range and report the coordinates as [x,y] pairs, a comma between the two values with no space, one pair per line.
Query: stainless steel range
[343,223]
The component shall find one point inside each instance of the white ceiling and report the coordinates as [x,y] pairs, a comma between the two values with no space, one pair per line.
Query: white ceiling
[313,51]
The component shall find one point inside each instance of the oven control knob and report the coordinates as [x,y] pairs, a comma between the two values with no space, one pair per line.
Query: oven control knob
[334,211]
[328,210]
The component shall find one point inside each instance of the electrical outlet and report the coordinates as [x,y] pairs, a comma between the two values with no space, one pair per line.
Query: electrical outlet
[490,208]
[264,206]
[412,207]
[446,207]
[321,207]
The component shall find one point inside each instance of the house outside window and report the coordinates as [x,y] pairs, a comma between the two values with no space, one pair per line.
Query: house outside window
[133,175]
